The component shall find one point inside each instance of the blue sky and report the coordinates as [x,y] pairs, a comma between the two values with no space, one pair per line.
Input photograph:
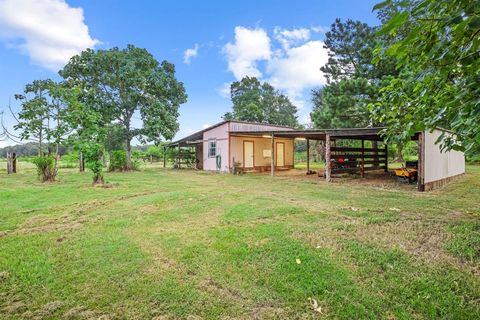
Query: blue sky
[212,43]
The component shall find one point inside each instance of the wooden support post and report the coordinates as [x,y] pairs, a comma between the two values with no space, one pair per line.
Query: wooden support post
[421,162]
[272,164]
[164,157]
[328,166]
[362,169]
[386,158]
[272,168]
[376,162]
[178,157]
[81,164]
[308,156]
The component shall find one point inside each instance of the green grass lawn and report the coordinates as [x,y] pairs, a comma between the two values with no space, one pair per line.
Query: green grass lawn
[171,244]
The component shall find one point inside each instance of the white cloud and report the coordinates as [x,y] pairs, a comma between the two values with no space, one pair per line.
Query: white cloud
[206,125]
[250,46]
[50,32]
[320,29]
[291,63]
[224,90]
[190,53]
[287,38]
[298,68]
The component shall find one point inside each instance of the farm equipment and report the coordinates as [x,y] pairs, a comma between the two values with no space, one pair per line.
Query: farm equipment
[407,173]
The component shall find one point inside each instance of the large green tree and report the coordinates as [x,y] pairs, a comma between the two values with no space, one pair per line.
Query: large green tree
[260,102]
[122,83]
[353,79]
[439,84]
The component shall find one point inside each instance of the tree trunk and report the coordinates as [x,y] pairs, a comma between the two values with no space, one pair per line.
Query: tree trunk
[129,155]
[81,162]
[9,162]
[98,179]
[399,153]
[14,163]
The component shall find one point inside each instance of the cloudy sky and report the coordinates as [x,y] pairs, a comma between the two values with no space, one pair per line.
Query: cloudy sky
[212,43]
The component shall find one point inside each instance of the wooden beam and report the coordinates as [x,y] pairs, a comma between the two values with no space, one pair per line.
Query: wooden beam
[272,165]
[421,162]
[178,157]
[386,158]
[362,172]
[308,155]
[328,166]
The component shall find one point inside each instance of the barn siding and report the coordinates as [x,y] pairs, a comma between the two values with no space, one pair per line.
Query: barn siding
[219,133]
[440,165]
[260,144]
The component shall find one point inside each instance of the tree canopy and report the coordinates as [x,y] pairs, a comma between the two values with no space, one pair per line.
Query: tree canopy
[120,84]
[439,60]
[353,79]
[260,102]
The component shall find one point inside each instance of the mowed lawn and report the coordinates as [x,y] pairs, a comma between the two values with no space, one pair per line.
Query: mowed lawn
[168,244]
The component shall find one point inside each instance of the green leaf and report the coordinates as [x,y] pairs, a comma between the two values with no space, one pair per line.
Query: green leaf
[381,5]
[475,23]
[394,23]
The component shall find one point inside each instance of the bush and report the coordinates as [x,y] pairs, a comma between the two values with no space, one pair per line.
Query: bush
[118,160]
[94,160]
[46,167]
[70,160]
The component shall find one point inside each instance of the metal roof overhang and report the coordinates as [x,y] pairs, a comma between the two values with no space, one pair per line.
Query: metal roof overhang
[320,134]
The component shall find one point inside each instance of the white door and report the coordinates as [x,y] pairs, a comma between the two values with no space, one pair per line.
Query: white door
[248,154]
[280,155]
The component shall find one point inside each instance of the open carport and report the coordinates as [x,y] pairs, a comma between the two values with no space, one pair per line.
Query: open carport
[435,167]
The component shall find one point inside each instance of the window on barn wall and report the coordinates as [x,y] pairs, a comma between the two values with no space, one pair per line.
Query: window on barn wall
[212,148]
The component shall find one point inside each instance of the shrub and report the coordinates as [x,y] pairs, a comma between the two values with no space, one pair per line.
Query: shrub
[118,160]
[94,161]
[46,167]
[70,160]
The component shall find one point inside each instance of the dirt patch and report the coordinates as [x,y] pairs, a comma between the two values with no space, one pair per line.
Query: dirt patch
[268,312]
[83,313]
[15,307]
[212,287]
[3,233]
[49,309]
[4,275]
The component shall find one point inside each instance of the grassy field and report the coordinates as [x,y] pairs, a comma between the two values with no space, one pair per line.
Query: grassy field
[168,244]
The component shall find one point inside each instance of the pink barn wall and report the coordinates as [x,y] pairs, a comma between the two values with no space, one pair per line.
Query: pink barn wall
[221,134]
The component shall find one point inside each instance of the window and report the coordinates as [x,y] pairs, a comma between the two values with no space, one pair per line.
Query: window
[212,148]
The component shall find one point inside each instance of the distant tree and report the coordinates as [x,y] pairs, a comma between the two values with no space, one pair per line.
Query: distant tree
[154,152]
[260,102]
[121,83]
[440,62]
